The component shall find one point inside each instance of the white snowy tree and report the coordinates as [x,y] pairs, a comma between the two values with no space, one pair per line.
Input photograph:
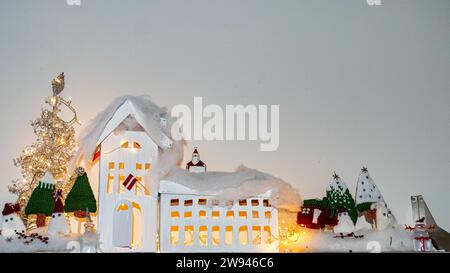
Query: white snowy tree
[367,193]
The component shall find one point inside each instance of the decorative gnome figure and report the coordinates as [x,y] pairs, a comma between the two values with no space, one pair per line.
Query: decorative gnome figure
[196,165]
[58,222]
[11,221]
[345,224]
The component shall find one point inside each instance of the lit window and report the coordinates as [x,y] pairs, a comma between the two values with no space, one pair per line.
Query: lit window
[122,206]
[230,214]
[243,235]
[266,203]
[228,235]
[267,214]
[120,184]
[124,144]
[175,214]
[242,202]
[138,166]
[215,214]
[121,166]
[136,145]
[203,235]
[188,235]
[188,203]
[256,235]
[188,214]
[243,214]
[147,166]
[215,234]
[202,214]
[255,202]
[255,214]
[174,235]
[174,202]
[202,201]
[267,235]
[111,165]
[110,184]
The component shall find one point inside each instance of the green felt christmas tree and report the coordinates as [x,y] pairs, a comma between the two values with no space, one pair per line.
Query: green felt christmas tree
[81,197]
[41,200]
[340,198]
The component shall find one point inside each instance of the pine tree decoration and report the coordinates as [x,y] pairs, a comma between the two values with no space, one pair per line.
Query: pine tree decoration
[340,198]
[41,201]
[367,193]
[81,197]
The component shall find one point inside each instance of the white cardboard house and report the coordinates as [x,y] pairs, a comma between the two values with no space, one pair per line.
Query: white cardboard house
[147,204]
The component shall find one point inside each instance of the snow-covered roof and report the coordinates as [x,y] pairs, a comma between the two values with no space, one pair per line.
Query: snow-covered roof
[243,183]
[147,114]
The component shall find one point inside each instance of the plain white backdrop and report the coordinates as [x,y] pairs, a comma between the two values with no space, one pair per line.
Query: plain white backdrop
[357,85]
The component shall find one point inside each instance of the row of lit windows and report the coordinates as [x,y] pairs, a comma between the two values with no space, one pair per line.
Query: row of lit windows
[137,189]
[121,166]
[203,201]
[216,214]
[258,235]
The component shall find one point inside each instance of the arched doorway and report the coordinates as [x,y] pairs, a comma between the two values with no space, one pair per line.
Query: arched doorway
[136,225]
[122,224]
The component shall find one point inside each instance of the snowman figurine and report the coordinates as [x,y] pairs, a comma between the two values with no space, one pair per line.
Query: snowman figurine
[58,223]
[11,221]
[345,224]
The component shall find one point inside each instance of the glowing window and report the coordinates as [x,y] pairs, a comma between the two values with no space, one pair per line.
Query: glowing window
[122,206]
[255,214]
[242,202]
[188,214]
[174,202]
[202,201]
[228,235]
[255,202]
[215,235]
[120,184]
[202,214]
[243,214]
[110,184]
[203,235]
[111,165]
[243,235]
[121,166]
[230,214]
[267,235]
[138,166]
[266,203]
[136,145]
[215,214]
[175,215]
[188,203]
[147,166]
[174,235]
[267,214]
[124,144]
[188,235]
[256,235]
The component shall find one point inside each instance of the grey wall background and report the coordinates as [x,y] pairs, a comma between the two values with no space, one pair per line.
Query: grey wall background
[357,85]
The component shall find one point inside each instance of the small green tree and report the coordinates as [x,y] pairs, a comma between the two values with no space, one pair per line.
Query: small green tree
[81,197]
[339,197]
[41,202]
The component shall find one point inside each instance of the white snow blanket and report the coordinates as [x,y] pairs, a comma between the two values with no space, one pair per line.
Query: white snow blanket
[391,240]
[243,183]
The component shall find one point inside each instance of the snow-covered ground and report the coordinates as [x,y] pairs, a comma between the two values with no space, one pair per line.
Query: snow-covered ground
[391,240]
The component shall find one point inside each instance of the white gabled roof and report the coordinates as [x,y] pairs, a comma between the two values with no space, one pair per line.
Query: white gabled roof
[241,184]
[147,114]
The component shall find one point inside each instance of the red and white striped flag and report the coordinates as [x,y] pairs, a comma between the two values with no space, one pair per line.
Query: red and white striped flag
[130,182]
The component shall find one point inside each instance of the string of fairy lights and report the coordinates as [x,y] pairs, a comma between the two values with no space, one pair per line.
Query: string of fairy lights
[53,149]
